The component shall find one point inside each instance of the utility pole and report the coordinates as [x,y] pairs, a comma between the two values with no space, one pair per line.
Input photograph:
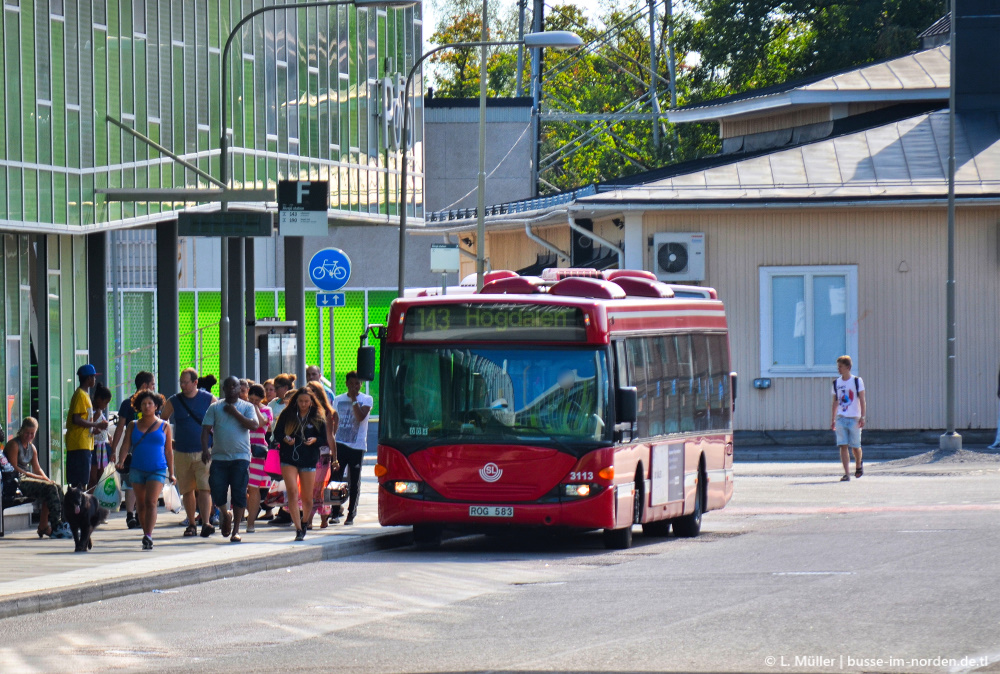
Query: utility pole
[537,21]
[671,64]
[521,6]
[653,69]
[481,192]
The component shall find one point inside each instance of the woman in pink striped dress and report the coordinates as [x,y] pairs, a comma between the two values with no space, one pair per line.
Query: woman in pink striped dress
[258,445]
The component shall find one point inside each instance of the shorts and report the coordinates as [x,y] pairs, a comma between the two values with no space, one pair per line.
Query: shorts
[136,476]
[78,467]
[301,470]
[229,480]
[848,432]
[191,472]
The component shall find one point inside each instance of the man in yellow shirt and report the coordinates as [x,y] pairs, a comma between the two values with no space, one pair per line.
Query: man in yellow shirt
[80,429]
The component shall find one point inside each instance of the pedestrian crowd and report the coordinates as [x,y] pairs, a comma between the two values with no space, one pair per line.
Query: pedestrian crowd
[232,460]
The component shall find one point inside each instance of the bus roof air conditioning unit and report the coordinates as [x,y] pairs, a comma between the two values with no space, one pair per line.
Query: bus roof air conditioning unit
[679,256]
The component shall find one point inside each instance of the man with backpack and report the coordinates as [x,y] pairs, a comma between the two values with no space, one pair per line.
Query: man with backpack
[849,409]
[187,411]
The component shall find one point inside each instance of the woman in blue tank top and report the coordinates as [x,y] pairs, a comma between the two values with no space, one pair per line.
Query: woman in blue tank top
[149,441]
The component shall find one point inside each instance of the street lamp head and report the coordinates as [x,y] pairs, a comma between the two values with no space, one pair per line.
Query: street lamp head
[553,39]
[389,4]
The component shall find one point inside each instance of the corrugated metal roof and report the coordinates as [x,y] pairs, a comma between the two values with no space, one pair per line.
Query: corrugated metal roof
[940,27]
[904,159]
[922,75]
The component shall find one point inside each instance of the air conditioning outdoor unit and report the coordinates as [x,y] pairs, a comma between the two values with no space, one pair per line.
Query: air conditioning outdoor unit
[679,256]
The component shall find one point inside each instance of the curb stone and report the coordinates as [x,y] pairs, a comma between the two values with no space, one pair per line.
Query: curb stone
[75,595]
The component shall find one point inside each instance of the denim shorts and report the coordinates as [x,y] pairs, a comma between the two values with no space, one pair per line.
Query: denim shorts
[229,480]
[848,432]
[301,470]
[136,476]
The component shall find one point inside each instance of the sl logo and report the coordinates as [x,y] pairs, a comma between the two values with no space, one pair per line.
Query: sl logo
[490,472]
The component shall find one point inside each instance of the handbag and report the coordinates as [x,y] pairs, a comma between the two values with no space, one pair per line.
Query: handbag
[272,464]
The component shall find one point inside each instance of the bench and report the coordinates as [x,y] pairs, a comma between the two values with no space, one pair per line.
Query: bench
[19,517]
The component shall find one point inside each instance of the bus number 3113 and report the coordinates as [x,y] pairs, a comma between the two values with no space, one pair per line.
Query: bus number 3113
[581,475]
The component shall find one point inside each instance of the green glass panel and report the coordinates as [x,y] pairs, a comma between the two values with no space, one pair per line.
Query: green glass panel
[15,194]
[12,66]
[30,195]
[264,304]
[58,95]
[27,69]
[74,198]
[60,198]
[312,329]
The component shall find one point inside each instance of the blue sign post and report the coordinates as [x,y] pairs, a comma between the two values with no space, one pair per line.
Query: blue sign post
[329,270]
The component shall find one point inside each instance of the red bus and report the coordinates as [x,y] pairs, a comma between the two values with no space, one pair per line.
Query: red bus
[569,401]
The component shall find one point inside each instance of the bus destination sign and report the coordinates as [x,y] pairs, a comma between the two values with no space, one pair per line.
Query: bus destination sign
[507,322]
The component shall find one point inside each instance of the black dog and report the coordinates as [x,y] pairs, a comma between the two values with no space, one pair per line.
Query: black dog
[82,513]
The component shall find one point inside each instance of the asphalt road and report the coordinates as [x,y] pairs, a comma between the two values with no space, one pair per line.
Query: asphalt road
[894,572]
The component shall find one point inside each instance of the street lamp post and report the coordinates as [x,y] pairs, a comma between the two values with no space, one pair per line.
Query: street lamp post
[557,39]
[224,341]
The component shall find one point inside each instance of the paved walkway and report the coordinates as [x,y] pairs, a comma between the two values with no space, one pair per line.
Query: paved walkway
[42,574]
[38,575]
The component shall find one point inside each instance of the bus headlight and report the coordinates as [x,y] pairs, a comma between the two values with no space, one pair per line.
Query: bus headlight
[401,487]
[577,490]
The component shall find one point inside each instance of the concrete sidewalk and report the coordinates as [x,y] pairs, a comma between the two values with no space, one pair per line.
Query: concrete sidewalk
[830,452]
[42,574]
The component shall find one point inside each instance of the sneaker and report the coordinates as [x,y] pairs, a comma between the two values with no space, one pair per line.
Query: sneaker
[251,529]
[147,542]
[185,523]
[131,521]
[281,519]
[995,445]
[349,521]
[214,520]
[62,532]
[300,534]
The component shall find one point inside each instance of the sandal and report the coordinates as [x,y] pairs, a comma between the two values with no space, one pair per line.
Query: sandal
[860,471]
[846,478]
[235,538]
[251,528]
[192,530]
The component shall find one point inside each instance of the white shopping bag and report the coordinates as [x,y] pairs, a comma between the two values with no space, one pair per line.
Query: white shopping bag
[108,491]
[172,499]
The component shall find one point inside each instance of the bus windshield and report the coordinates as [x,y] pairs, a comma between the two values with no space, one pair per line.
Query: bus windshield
[495,394]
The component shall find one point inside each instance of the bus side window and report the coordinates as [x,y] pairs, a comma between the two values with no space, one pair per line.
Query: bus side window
[720,394]
[671,399]
[638,378]
[701,382]
[685,382]
[657,385]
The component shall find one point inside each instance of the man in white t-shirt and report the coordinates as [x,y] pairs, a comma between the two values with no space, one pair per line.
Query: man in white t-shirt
[849,409]
[353,408]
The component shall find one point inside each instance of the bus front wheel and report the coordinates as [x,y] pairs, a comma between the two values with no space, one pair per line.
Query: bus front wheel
[618,539]
[426,536]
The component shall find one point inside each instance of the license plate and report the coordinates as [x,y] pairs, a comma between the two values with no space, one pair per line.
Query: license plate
[491,511]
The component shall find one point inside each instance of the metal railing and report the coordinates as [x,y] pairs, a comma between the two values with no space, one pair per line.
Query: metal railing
[522,206]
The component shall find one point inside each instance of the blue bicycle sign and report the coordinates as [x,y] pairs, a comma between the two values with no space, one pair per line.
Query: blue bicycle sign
[330,269]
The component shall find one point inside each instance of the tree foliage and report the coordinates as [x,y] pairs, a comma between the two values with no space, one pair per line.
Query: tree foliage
[732,46]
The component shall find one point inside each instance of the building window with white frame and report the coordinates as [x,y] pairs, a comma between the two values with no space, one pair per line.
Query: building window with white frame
[808,318]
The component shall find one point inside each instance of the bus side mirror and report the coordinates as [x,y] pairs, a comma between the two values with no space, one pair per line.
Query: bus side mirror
[628,405]
[366,363]
[732,377]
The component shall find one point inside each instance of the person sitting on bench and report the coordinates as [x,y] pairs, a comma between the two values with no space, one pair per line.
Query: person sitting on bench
[34,483]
